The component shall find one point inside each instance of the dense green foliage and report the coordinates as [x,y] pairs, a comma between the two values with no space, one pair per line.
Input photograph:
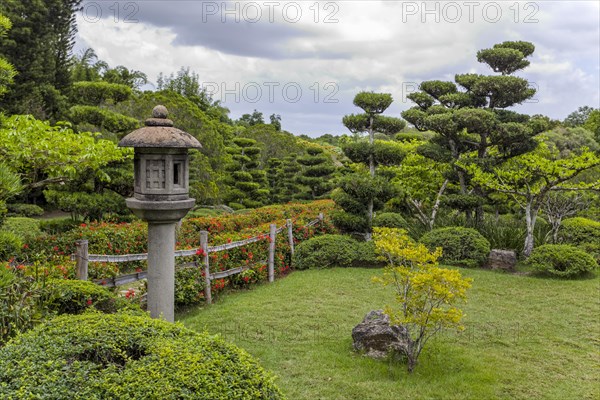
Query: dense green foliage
[24,210]
[21,302]
[582,232]
[128,356]
[561,260]
[76,296]
[10,245]
[25,228]
[327,251]
[390,220]
[460,246]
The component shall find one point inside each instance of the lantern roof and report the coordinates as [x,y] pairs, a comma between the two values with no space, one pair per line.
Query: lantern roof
[159,132]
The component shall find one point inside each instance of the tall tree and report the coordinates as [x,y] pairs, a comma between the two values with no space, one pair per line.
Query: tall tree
[475,118]
[578,117]
[359,193]
[7,71]
[39,46]
[276,121]
[187,83]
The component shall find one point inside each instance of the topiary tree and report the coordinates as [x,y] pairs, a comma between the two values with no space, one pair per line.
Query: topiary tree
[474,119]
[117,356]
[425,293]
[360,200]
[316,172]
[248,181]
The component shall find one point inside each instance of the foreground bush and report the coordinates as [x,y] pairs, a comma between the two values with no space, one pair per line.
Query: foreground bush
[561,260]
[333,251]
[75,297]
[461,246]
[122,356]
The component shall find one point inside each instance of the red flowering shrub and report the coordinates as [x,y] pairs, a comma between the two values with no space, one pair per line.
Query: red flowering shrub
[131,238]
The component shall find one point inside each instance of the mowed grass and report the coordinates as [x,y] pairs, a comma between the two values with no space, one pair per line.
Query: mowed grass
[525,338]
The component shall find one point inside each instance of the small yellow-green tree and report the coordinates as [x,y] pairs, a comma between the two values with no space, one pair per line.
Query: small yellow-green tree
[425,293]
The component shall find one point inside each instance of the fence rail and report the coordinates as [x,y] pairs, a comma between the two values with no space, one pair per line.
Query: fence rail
[82,257]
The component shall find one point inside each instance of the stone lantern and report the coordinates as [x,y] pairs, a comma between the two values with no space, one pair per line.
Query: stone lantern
[161,169]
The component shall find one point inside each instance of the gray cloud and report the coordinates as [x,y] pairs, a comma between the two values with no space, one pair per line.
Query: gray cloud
[224,26]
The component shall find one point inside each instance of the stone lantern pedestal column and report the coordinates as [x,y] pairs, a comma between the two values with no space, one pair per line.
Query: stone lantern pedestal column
[162,217]
[161,197]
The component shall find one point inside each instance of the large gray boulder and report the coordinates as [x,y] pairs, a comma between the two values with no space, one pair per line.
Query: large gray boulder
[504,260]
[376,338]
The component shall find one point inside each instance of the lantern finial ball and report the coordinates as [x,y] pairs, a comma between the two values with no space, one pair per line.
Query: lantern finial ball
[160,112]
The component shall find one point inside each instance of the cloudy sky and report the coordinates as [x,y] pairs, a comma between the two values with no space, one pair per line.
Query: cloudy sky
[305,60]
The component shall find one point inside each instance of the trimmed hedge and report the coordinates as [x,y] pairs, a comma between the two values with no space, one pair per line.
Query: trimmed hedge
[24,210]
[118,356]
[75,297]
[561,260]
[582,232]
[24,227]
[333,251]
[390,220]
[461,246]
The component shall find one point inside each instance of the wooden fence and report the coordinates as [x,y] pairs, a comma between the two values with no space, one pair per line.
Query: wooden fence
[82,258]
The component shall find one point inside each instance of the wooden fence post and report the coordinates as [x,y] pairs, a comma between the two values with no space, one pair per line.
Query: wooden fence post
[272,235]
[204,247]
[82,259]
[290,230]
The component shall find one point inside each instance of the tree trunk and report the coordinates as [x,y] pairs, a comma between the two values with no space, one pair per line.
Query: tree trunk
[530,218]
[368,235]
[436,206]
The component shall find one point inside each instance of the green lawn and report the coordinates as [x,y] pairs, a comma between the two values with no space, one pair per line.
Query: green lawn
[526,338]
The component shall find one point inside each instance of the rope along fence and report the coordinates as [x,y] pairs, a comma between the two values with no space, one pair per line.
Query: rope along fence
[82,258]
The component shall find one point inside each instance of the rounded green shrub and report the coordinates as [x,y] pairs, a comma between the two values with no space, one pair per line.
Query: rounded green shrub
[461,246]
[57,226]
[580,230]
[390,220]
[561,260]
[75,296]
[24,227]
[24,210]
[10,245]
[333,251]
[125,356]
